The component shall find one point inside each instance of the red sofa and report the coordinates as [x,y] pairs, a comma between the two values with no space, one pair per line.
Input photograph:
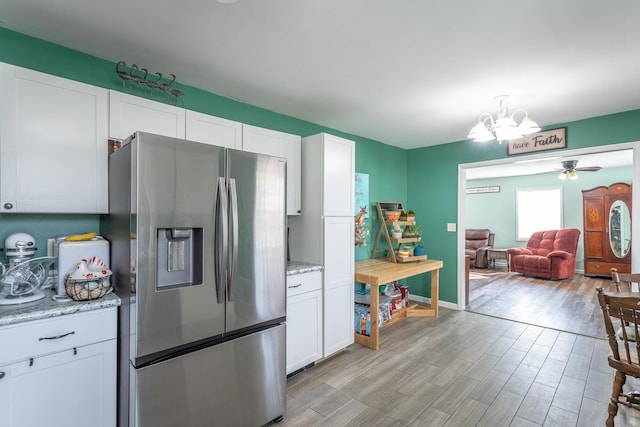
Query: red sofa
[549,254]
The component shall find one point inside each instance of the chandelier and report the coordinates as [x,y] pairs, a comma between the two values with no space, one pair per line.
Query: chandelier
[504,127]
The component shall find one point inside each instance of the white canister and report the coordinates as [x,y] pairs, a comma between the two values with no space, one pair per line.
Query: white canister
[70,253]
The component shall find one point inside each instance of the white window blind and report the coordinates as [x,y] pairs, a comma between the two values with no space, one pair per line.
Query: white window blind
[538,209]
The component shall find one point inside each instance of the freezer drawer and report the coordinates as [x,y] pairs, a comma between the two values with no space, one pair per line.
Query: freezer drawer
[237,383]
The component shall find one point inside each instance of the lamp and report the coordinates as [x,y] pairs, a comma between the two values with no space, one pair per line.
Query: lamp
[571,174]
[504,127]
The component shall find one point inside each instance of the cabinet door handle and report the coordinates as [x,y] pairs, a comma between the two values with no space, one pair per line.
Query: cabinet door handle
[2,374]
[57,337]
[295,286]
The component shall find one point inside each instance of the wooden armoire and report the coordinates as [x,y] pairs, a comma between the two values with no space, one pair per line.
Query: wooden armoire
[607,229]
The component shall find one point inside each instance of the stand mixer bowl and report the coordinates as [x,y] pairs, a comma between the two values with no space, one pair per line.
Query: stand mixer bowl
[20,282]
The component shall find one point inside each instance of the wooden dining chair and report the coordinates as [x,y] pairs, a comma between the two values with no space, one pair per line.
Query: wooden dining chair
[625,282]
[625,353]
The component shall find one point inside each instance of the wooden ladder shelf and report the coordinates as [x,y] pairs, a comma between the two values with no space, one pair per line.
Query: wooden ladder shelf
[383,208]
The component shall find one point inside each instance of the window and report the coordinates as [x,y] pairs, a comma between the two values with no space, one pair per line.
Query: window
[538,209]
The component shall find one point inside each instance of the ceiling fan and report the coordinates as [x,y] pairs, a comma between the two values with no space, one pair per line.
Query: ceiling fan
[569,169]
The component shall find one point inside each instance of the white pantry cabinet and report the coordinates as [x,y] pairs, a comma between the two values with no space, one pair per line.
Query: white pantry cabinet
[53,144]
[324,233]
[213,130]
[275,143]
[304,319]
[60,371]
[128,114]
[339,289]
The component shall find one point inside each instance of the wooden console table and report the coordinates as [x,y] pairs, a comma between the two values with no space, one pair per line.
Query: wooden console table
[379,271]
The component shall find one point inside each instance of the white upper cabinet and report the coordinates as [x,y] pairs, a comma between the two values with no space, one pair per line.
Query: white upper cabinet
[334,160]
[128,114]
[53,144]
[339,176]
[274,143]
[213,130]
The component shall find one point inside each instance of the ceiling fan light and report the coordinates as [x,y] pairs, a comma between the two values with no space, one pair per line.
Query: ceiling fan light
[572,175]
[562,176]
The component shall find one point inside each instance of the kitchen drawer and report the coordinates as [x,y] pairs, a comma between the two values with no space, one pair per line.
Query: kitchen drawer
[305,282]
[40,337]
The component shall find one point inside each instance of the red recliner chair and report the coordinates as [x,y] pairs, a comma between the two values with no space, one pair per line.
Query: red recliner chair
[549,254]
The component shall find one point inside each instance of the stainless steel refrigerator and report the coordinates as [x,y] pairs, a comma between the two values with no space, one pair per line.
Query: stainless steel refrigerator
[198,238]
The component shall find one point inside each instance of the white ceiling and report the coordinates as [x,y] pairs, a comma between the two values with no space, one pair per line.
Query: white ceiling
[408,73]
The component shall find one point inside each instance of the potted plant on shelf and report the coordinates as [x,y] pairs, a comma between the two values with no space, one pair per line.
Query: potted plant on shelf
[412,231]
[409,215]
[396,232]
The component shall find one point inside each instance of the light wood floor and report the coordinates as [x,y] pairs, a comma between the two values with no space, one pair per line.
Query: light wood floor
[462,369]
[568,305]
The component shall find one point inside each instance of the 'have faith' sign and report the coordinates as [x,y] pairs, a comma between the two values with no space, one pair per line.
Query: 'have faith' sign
[540,141]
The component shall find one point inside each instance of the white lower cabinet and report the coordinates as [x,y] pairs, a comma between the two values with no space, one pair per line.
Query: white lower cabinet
[304,319]
[338,284]
[58,372]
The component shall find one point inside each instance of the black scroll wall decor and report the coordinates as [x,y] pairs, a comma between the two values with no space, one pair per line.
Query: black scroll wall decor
[150,84]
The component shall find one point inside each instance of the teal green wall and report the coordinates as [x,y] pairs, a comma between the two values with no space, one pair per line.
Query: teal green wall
[385,164]
[426,179]
[497,211]
[432,184]
[384,169]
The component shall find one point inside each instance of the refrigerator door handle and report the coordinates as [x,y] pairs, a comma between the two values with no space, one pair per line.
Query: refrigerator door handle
[222,238]
[233,256]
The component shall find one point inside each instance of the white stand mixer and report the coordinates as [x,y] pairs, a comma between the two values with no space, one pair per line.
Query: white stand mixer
[20,282]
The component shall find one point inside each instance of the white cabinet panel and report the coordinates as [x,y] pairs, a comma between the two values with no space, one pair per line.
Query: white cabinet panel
[75,387]
[339,176]
[338,283]
[304,329]
[128,114]
[304,319]
[53,144]
[338,319]
[69,377]
[274,143]
[213,130]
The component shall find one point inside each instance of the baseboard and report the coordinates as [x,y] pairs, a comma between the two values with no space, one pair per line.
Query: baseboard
[425,300]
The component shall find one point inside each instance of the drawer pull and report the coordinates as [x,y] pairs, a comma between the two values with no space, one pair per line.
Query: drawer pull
[295,286]
[57,337]
[2,374]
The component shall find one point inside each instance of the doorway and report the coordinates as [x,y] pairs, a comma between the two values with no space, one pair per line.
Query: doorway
[529,163]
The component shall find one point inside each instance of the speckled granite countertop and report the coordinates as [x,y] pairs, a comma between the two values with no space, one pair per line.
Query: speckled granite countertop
[297,267]
[47,307]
